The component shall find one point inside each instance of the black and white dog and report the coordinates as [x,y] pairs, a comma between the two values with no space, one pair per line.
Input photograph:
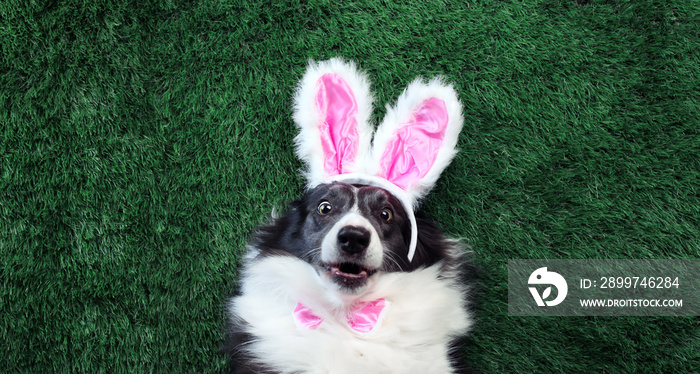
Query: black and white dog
[351,279]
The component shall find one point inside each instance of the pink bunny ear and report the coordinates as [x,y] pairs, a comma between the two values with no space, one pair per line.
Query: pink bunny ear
[336,103]
[417,139]
[412,151]
[332,108]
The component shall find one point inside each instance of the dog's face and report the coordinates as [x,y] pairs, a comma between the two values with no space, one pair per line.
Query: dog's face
[351,234]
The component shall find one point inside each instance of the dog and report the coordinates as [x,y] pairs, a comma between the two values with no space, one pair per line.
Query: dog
[352,277]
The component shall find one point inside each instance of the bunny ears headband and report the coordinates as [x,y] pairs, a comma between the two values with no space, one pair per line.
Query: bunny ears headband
[412,146]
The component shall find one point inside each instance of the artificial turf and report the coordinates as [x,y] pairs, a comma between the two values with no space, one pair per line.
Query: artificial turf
[142,141]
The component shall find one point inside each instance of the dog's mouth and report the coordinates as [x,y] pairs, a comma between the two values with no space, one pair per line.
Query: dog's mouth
[349,274]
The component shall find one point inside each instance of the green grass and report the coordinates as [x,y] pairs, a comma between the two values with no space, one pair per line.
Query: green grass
[142,142]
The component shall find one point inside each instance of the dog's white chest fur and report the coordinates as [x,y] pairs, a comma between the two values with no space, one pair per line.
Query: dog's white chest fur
[425,313]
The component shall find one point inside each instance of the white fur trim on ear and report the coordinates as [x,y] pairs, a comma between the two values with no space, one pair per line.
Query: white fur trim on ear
[308,118]
[397,116]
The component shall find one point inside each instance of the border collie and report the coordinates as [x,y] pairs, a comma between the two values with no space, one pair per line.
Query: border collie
[351,279]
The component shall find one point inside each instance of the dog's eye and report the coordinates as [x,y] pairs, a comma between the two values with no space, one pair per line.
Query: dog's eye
[386,214]
[324,208]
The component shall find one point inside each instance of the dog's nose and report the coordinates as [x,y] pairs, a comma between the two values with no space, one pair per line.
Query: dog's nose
[353,239]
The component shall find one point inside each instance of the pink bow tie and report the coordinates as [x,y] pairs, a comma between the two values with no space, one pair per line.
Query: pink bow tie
[363,318]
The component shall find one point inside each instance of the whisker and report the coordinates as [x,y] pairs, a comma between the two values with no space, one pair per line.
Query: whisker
[311,255]
[390,257]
